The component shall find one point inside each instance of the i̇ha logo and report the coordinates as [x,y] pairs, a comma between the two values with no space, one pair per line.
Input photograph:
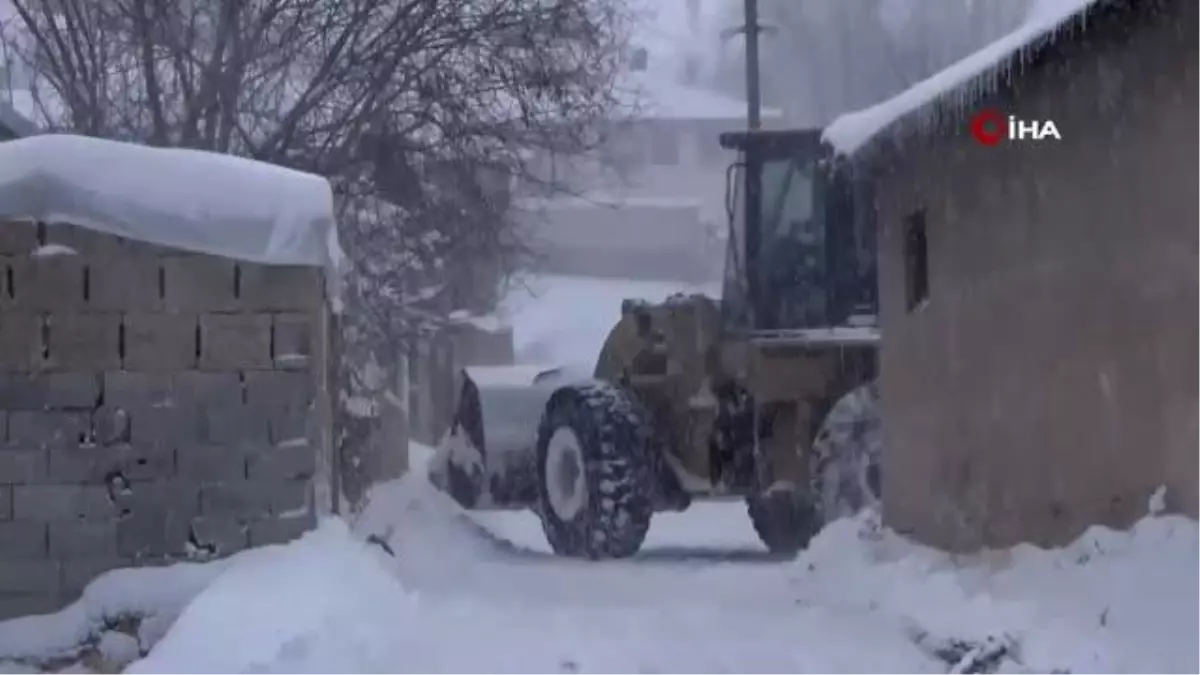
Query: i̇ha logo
[990,127]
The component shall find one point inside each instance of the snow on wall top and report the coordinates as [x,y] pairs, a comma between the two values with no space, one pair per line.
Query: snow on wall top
[188,199]
[850,132]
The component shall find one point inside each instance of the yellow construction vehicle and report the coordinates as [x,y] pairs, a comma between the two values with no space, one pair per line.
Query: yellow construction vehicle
[765,395]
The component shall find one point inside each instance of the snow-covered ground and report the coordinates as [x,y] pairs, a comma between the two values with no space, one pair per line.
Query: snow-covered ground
[417,585]
[459,596]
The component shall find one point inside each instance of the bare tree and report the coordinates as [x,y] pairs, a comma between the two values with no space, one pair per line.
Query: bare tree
[422,113]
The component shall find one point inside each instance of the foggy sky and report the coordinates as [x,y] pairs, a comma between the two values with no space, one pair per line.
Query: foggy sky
[825,57]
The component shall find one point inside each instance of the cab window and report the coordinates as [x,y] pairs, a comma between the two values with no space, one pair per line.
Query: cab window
[792,244]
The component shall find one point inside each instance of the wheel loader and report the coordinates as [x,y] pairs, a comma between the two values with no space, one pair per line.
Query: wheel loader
[765,395]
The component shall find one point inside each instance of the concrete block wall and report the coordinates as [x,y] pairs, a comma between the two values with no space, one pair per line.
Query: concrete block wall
[155,405]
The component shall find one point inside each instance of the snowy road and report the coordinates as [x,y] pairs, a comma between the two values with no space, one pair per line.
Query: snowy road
[708,603]
[708,532]
[464,593]
[457,600]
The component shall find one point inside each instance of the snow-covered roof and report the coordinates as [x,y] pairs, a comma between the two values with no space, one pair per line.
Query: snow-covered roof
[665,98]
[188,199]
[962,80]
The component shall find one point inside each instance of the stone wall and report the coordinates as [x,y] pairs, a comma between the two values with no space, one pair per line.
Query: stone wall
[155,405]
[1048,383]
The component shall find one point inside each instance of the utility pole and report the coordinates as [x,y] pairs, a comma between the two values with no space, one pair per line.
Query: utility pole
[751,29]
[753,95]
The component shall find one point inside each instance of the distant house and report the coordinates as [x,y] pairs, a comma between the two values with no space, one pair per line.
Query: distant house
[661,214]
[1039,299]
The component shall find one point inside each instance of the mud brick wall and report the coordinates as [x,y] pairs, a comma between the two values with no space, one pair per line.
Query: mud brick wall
[155,406]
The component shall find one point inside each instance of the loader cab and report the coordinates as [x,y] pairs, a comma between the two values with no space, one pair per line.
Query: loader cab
[800,255]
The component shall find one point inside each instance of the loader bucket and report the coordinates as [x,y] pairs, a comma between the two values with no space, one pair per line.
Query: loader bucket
[492,436]
[499,407]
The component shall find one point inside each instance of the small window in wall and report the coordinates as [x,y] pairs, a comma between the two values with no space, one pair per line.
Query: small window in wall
[916,261]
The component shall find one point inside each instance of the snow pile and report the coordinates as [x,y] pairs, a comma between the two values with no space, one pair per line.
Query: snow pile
[325,603]
[435,596]
[156,595]
[1109,602]
[454,600]
[188,199]
[850,132]
[186,609]
[415,586]
[425,529]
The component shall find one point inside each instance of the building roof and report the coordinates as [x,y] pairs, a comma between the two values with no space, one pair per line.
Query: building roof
[660,96]
[965,81]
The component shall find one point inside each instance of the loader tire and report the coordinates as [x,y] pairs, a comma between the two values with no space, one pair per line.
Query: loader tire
[594,472]
[784,518]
